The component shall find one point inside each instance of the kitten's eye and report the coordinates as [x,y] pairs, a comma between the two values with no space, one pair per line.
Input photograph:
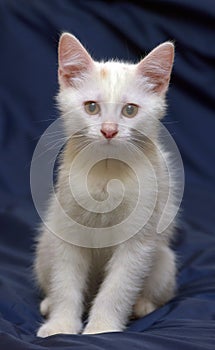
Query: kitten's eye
[130,110]
[92,107]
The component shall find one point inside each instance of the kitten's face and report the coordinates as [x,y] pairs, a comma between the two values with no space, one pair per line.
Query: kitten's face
[109,101]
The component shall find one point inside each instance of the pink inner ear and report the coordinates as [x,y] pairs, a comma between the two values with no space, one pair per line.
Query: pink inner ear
[157,67]
[74,60]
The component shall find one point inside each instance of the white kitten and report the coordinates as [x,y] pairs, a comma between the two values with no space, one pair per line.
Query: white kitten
[108,102]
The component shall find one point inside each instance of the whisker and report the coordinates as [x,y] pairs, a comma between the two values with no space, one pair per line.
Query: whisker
[46,120]
[170,122]
[59,140]
[55,133]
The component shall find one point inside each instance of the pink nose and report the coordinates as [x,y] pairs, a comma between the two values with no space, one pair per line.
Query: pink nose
[109,130]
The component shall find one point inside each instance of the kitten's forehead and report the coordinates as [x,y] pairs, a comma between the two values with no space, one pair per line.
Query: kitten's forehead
[111,70]
[115,77]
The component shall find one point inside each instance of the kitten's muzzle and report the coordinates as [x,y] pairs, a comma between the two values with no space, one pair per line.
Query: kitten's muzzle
[109,130]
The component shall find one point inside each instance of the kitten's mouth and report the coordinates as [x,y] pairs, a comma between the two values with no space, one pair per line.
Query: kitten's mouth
[107,141]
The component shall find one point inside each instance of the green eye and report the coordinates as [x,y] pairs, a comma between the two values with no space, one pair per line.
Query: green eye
[130,110]
[92,107]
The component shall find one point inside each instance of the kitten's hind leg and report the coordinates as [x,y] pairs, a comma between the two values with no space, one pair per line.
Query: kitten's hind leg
[159,286]
[43,261]
[44,306]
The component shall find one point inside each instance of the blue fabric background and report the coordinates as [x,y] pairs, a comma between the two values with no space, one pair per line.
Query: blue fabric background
[29,33]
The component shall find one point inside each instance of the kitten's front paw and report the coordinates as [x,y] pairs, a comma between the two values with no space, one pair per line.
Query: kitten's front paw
[97,331]
[52,327]
[95,328]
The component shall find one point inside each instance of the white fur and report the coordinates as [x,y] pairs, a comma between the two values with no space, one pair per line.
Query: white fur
[137,275]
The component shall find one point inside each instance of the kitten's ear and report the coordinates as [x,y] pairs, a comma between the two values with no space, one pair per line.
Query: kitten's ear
[74,61]
[157,67]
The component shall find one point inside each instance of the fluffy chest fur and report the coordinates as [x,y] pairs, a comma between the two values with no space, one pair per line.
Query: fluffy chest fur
[109,192]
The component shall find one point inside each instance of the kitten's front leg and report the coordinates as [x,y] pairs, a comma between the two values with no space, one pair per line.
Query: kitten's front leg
[65,293]
[129,265]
